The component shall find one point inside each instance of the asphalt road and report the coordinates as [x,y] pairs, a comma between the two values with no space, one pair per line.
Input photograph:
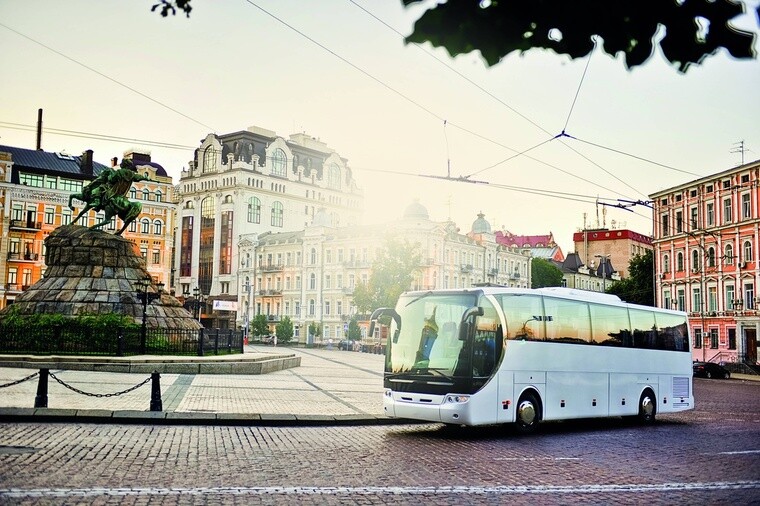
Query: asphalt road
[707,456]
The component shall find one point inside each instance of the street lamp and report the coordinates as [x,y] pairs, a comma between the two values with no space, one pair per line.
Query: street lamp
[199,301]
[247,288]
[146,297]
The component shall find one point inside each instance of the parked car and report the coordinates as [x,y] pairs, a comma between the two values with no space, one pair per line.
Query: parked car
[710,370]
[267,339]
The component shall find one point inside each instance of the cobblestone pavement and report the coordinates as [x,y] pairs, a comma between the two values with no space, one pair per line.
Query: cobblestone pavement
[328,382]
[707,456]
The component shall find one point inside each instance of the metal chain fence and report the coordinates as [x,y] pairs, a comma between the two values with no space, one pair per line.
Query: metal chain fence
[12,383]
[114,394]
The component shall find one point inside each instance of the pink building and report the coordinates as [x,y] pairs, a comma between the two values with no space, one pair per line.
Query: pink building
[706,240]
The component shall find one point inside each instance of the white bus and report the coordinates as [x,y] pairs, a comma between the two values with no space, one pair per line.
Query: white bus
[494,355]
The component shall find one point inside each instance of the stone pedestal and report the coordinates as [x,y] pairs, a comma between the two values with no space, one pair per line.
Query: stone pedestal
[94,272]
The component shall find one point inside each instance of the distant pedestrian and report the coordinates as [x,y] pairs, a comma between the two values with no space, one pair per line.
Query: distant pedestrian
[274,341]
[329,344]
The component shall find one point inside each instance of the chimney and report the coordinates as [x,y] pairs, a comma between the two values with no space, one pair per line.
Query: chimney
[39,129]
[85,163]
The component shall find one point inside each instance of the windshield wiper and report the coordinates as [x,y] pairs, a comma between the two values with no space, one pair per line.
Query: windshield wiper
[419,297]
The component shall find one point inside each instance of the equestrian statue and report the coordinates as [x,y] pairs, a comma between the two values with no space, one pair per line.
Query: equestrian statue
[107,193]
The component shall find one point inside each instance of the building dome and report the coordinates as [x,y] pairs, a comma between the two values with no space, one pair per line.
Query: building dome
[415,210]
[481,226]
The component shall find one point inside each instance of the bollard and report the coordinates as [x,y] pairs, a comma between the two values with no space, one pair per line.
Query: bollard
[41,400]
[155,392]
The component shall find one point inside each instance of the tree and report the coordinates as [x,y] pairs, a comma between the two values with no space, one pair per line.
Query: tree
[259,325]
[315,329]
[693,29]
[544,273]
[284,330]
[392,273]
[354,331]
[638,287]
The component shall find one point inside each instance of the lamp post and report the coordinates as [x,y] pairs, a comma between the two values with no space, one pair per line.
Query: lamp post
[198,302]
[247,288]
[146,297]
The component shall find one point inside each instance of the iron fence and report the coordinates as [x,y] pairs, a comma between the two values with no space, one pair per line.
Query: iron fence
[80,340]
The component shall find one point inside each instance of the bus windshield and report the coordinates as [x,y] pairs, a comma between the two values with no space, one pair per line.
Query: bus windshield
[427,341]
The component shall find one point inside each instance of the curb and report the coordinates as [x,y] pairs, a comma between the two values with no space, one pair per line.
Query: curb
[102,416]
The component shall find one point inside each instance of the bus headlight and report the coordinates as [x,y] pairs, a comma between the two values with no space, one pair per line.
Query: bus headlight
[460,399]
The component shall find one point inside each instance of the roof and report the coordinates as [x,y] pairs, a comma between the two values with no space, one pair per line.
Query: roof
[47,162]
[525,241]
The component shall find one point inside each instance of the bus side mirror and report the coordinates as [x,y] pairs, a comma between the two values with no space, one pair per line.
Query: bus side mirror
[466,325]
[395,336]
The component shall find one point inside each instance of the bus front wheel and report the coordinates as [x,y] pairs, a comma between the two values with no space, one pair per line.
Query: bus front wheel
[647,407]
[528,414]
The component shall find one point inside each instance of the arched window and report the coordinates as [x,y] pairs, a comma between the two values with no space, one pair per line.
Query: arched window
[665,263]
[311,307]
[133,226]
[277,214]
[159,196]
[333,176]
[254,210]
[158,227]
[145,194]
[729,254]
[228,199]
[189,204]
[145,226]
[209,159]
[711,257]
[747,251]
[313,256]
[312,281]
[679,262]
[695,260]
[278,162]
[132,193]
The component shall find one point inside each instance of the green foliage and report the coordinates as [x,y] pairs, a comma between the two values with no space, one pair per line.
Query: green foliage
[284,330]
[392,273]
[544,273]
[97,322]
[259,325]
[354,331]
[638,287]
[498,28]
[315,329]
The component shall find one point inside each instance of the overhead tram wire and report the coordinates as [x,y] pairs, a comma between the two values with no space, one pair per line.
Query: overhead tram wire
[89,135]
[430,54]
[133,90]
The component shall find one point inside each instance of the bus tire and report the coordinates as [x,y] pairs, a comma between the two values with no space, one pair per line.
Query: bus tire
[528,414]
[647,407]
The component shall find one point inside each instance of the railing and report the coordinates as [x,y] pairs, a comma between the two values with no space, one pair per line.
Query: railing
[33,257]
[77,340]
[271,267]
[36,225]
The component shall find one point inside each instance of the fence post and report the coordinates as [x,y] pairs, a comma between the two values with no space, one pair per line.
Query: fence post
[41,400]
[229,341]
[155,392]
[243,341]
[120,343]
[200,342]
[216,342]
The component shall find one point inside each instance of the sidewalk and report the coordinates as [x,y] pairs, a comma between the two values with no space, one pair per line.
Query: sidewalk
[329,387]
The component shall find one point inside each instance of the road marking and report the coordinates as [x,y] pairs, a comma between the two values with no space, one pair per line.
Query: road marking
[16,493]
[526,459]
[743,452]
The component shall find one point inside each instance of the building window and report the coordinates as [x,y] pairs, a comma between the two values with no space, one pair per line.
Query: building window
[313,256]
[327,281]
[12,275]
[746,206]
[665,263]
[747,251]
[159,196]
[694,218]
[132,193]
[730,296]
[665,225]
[711,257]
[714,339]
[51,182]
[727,211]
[158,227]
[70,185]
[712,298]
[209,159]
[278,162]
[145,226]
[731,339]
[327,308]
[333,176]
[697,338]
[277,214]
[254,210]
[30,180]
[695,260]
[710,214]
[17,212]
[749,296]
[679,262]
[679,222]
[156,256]
[729,254]
[49,215]
[145,194]
[312,281]
[696,294]
[311,307]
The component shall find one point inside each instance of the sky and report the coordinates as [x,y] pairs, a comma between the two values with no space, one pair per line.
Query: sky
[113,76]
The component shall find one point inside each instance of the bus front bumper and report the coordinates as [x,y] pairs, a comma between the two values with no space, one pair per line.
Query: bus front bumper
[449,408]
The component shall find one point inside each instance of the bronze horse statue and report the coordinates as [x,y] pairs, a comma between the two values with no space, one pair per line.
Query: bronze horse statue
[107,193]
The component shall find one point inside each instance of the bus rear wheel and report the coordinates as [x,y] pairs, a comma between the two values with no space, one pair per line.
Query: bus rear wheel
[528,414]
[647,407]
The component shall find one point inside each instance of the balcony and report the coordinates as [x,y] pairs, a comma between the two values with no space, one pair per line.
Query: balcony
[25,225]
[15,288]
[493,272]
[26,257]
[465,268]
[270,292]
[271,267]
